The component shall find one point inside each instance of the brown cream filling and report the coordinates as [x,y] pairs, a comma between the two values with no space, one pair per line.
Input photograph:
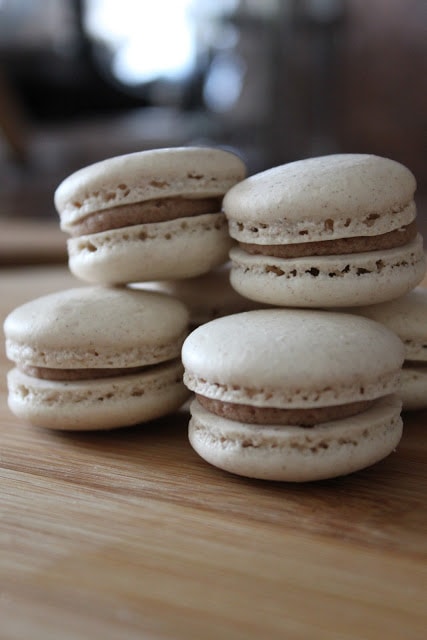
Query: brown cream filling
[158,210]
[358,244]
[63,375]
[272,415]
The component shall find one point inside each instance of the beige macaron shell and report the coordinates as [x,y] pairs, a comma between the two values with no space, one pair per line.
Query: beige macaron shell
[324,198]
[105,403]
[292,358]
[407,317]
[96,327]
[146,175]
[296,454]
[181,248]
[207,297]
[340,280]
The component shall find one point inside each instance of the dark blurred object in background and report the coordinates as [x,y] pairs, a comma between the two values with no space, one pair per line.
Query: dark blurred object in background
[277,80]
[382,82]
[48,61]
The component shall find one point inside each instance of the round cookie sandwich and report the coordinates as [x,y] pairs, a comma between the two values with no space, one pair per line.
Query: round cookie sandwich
[407,317]
[293,395]
[96,358]
[149,215]
[331,231]
[207,297]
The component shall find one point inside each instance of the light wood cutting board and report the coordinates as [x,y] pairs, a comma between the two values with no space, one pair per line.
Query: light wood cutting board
[128,534]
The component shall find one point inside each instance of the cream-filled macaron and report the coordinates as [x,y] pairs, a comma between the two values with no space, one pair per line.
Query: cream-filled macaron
[150,215]
[206,297]
[407,317]
[331,231]
[96,358]
[293,395]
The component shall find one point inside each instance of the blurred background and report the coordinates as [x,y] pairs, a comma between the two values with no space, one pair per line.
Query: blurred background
[275,80]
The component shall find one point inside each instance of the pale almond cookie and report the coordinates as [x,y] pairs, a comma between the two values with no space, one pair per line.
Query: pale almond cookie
[329,281]
[96,358]
[97,404]
[153,214]
[407,317]
[179,248]
[283,371]
[324,198]
[207,297]
[297,454]
[321,221]
[289,358]
[193,172]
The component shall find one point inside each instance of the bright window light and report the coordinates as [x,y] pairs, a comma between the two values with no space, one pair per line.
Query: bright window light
[148,39]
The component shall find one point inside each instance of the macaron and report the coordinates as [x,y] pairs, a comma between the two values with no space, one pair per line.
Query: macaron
[96,358]
[293,395]
[407,317]
[331,231]
[149,215]
[207,297]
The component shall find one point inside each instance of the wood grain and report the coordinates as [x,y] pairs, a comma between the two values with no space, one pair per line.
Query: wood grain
[129,534]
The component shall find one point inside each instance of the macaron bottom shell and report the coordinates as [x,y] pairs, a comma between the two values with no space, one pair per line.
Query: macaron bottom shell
[179,248]
[325,281]
[414,387]
[297,454]
[104,403]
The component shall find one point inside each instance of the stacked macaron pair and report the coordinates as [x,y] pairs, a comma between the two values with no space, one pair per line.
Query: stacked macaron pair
[105,355]
[304,391]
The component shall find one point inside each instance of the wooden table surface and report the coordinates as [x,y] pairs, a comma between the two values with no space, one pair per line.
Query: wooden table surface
[31,241]
[129,534]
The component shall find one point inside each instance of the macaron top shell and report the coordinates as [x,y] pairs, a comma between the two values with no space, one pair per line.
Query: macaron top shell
[146,175]
[407,317]
[328,197]
[292,358]
[96,327]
